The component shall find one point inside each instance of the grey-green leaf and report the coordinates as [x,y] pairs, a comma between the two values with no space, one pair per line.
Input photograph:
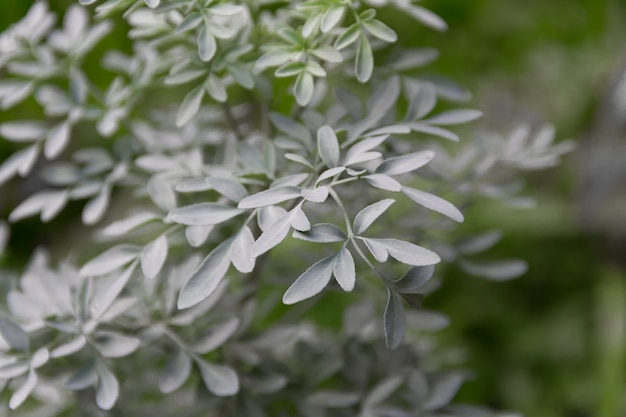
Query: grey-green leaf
[409,253]
[203,214]
[175,372]
[207,45]
[241,251]
[344,270]
[432,202]
[21,394]
[108,388]
[322,233]
[14,335]
[395,320]
[502,270]
[190,105]
[328,146]
[364,63]
[304,88]
[405,163]
[270,197]
[217,336]
[153,256]
[110,260]
[108,293]
[454,117]
[311,282]
[384,182]
[206,277]
[364,218]
[220,380]
[414,279]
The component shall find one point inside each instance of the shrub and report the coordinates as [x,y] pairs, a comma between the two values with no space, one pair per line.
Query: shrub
[244,152]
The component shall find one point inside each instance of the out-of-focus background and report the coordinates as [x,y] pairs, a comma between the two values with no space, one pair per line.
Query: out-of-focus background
[552,343]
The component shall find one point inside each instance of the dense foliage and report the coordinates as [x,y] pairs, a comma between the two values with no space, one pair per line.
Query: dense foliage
[235,132]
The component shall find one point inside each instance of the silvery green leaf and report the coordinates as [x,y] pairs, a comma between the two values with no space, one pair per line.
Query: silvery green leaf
[115,345]
[217,336]
[153,4]
[378,250]
[268,215]
[329,173]
[55,204]
[203,214]
[332,17]
[21,394]
[49,203]
[110,260]
[197,235]
[216,88]
[380,30]
[405,163]
[408,253]
[20,162]
[85,377]
[327,53]
[304,88]
[426,17]
[315,69]
[241,251]
[122,227]
[316,195]
[328,146]
[454,117]
[269,158]
[275,57]
[414,279]
[190,21]
[24,131]
[108,389]
[242,75]
[190,105]
[227,9]
[78,87]
[96,207]
[390,130]
[364,218]
[207,45]
[206,277]
[384,182]
[184,76]
[193,185]
[479,243]
[364,62]
[334,399]
[290,180]
[162,193]
[344,270]
[270,197]
[365,145]
[433,130]
[503,270]
[311,282]
[384,98]
[362,158]
[382,391]
[175,372]
[422,102]
[13,370]
[409,59]
[299,159]
[153,256]
[229,188]
[299,220]
[291,127]
[13,334]
[108,293]
[322,233]
[290,69]
[433,202]
[66,349]
[395,320]
[348,37]
[443,388]
[311,24]
[14,92]
[220,380]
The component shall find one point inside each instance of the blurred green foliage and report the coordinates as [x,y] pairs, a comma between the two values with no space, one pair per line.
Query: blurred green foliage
[551,344]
